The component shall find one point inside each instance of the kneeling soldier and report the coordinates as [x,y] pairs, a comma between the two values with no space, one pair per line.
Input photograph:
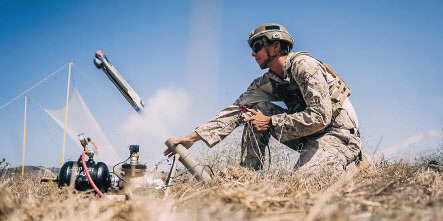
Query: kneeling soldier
[319,122]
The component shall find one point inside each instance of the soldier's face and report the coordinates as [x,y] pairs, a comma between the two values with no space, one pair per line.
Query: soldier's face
[259,51]
[259,55]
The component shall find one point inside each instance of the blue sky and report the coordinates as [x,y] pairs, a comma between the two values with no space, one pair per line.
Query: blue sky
[196,52]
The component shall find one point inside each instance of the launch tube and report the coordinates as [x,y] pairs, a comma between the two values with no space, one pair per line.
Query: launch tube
[188,161]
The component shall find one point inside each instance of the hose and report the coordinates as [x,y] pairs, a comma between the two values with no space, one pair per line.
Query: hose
[89,175]
[95,144]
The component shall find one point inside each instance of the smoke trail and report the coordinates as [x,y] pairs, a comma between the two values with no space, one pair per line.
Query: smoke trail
[203,56]
[163,117]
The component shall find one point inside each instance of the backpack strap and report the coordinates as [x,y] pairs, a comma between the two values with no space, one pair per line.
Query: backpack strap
[338,92]
[293,57]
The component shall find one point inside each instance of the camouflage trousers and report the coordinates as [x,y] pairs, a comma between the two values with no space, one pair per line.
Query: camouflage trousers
[330,153]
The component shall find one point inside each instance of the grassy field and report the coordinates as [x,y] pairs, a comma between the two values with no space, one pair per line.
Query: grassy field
[396,191]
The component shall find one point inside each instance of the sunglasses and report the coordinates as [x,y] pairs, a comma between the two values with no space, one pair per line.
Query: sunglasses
[258,46]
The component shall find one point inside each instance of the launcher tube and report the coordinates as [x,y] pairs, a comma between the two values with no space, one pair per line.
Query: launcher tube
[188,161]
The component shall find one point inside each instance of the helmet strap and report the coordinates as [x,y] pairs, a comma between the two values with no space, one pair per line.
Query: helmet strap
[264,65]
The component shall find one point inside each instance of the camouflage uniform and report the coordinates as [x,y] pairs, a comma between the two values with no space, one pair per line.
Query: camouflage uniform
[306,125]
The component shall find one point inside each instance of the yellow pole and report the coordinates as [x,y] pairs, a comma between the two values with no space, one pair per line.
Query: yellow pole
[66,113]
[24,137]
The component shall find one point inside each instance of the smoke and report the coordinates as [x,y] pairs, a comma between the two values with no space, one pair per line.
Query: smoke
[169,112]
[410,141]
[203,46]
[165,112]
[202,59]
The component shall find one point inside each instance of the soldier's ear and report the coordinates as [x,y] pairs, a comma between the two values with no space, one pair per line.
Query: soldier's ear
[277,46]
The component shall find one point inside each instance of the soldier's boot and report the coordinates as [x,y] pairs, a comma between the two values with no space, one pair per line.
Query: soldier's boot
[365,164]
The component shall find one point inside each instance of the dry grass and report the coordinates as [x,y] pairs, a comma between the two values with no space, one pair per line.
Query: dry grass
[398,191]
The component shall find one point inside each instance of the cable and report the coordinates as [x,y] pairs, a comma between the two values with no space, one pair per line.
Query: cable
[121,178]
[269,149]
[260,155]
[35,85]
[113,168]
[160,162]
[45,127]
[96,86]
[212,172]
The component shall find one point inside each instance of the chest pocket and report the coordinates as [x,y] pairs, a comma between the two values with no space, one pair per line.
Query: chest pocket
[290,95]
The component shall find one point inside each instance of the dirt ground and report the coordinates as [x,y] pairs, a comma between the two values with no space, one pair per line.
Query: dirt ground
[396,191]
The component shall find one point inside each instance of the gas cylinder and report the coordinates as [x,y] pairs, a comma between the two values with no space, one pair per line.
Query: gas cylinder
[72,173]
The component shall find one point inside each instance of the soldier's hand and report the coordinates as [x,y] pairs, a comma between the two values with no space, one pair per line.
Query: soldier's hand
[186,141]
[260,123]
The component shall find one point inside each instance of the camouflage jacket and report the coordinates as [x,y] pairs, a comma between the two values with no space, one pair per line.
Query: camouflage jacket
[305,92]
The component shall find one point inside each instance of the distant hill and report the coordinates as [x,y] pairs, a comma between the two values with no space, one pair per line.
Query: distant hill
[29,169]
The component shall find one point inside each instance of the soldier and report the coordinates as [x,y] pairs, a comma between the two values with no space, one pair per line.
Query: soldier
[319,122]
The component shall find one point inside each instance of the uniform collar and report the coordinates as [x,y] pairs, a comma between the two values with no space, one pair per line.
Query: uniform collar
[274,76]
[287,65]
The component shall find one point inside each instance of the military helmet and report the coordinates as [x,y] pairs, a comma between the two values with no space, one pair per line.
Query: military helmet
[273,32]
